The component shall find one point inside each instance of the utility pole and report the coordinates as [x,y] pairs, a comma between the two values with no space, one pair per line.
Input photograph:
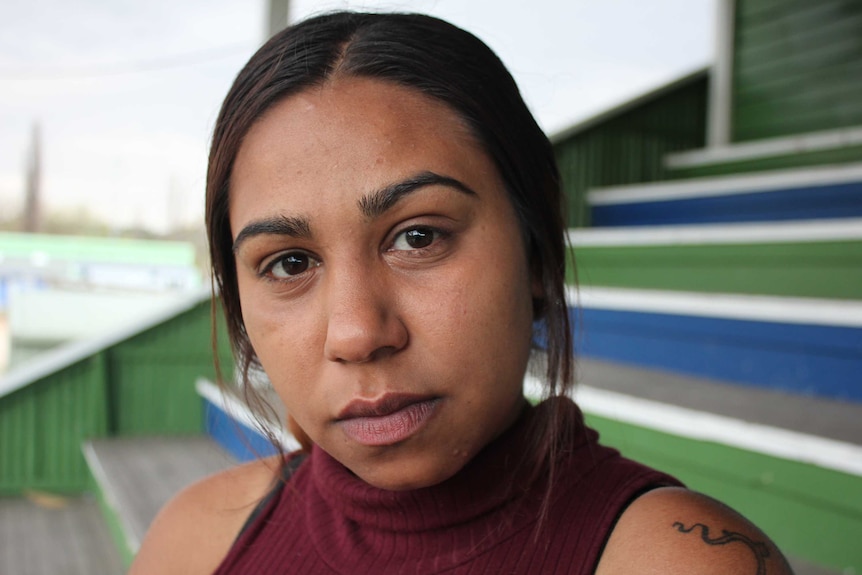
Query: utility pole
[718,127]
[278,17]
[32,220]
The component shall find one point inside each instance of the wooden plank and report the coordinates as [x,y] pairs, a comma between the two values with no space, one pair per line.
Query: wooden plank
[139,475]
[56,536]
[821,417]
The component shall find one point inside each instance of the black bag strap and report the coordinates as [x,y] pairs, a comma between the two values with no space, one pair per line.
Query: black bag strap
[287,470]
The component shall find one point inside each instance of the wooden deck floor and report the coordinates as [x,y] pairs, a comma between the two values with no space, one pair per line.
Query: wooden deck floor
[58,536]
[139,475]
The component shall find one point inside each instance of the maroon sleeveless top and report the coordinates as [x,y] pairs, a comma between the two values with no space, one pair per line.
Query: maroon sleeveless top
[482,520]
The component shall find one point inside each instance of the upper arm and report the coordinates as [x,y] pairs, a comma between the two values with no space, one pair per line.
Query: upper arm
[676,531]
[194,531]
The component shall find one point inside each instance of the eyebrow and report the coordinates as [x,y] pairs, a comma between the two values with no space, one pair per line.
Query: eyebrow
[376,203]
[372,206]
[297,227]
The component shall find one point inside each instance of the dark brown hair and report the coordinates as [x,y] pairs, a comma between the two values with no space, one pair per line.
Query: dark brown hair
[444,63]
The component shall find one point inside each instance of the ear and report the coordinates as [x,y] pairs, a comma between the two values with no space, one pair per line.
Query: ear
[537,289]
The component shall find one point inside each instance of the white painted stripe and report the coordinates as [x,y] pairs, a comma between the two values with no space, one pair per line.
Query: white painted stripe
[846,229]
[705,426]
[775,309]
[811,142]
[727,185]
[133,543]
[240,412]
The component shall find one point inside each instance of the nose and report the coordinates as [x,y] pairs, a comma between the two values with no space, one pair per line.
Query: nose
[363,323]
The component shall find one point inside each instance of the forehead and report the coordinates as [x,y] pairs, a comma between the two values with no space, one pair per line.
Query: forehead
[346,138]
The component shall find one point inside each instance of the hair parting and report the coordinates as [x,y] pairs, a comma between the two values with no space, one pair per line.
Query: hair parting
[414,51]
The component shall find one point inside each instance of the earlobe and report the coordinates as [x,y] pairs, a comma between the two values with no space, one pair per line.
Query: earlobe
[537,290]
[537,286]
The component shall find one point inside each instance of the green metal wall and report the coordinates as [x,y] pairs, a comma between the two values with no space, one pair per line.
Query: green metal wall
[810,269]
[630,146]
[42,426]
[797,67]
[143,385]
[152,376]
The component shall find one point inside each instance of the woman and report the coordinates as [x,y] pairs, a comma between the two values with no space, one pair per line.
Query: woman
[384,219]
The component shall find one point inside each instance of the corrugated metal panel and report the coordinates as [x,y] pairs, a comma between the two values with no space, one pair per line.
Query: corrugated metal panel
[630,147]
[42,427]
[797,67]
[142,385]
[153,376]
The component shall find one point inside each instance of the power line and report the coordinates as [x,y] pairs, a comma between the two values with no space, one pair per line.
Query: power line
[129,67]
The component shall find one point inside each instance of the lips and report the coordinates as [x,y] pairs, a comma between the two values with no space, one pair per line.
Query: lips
[388,420]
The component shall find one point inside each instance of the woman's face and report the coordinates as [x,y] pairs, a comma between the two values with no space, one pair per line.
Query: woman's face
[383,278]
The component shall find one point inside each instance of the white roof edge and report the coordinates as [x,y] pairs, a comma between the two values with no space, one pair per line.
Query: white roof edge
[66,355]
[757,149]
[628,104]
[820,230]
[746,307]
[727,185]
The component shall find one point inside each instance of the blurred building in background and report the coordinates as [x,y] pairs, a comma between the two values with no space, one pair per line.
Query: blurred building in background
[60,289]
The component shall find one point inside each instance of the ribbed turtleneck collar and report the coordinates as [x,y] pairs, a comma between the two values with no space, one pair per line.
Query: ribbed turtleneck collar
[482,485]
[488,500]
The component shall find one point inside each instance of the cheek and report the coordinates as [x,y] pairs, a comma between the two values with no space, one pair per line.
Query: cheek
[477,313]
[286,353]
[280,335]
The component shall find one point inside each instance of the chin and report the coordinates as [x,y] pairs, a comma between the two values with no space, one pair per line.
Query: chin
[399,475]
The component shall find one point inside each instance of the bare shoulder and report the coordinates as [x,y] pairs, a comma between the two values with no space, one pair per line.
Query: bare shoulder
[673,530]
[194,530]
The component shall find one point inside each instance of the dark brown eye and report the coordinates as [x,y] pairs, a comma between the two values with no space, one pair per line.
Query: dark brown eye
[414,239]
[292,265]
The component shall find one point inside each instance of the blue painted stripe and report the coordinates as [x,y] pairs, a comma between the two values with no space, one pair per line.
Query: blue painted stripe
[814,202]
[807,359]
[241,441]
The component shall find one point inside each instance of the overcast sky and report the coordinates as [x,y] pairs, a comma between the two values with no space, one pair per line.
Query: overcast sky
[126,92]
